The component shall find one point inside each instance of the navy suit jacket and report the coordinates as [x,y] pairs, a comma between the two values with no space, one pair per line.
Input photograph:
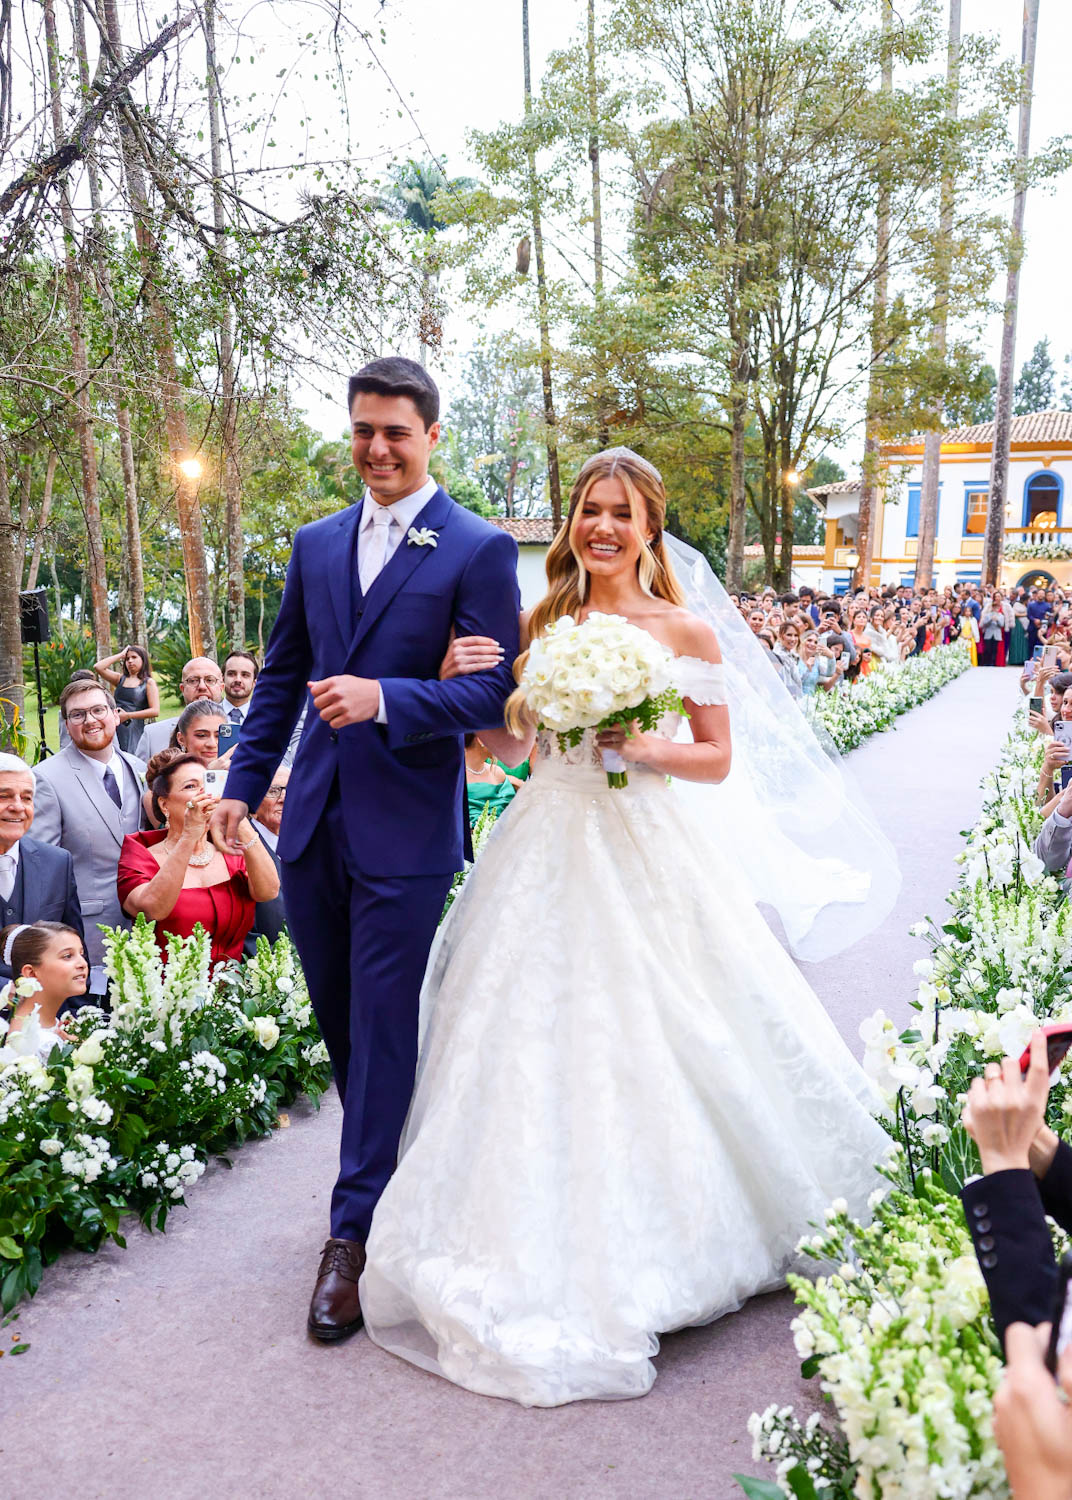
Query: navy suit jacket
[401,784]
[44,890]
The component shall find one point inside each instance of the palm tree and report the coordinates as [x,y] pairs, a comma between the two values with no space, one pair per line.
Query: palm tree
[413,192]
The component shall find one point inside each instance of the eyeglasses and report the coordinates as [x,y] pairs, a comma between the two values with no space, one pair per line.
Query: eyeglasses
[201,681]
[80,715]
[276,792]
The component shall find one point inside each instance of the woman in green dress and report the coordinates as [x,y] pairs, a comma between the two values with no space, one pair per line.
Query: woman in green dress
[1017,653]
[486,783]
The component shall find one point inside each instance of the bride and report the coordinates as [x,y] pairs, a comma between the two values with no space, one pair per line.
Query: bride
[629,1104]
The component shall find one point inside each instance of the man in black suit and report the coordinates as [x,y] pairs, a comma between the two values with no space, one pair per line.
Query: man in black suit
[1027,1175]
[271,917]
[36,880]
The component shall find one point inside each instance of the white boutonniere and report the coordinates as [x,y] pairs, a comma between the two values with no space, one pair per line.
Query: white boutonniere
[425,537]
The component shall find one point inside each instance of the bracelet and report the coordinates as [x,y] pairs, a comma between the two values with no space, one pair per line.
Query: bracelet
[249,843]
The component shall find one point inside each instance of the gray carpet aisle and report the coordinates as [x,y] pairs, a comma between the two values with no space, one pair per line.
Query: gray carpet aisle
[180,1367]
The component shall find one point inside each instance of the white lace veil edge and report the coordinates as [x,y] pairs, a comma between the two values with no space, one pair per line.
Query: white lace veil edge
[789,811]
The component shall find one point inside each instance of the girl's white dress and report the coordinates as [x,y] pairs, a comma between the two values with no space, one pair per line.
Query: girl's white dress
[629,1104]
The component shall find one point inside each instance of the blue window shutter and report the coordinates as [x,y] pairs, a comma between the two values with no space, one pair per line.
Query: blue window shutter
[912,525]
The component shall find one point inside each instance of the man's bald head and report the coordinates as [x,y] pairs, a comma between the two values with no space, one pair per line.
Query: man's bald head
[201,678]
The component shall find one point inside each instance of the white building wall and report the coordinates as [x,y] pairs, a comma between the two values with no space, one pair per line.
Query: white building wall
[531,573]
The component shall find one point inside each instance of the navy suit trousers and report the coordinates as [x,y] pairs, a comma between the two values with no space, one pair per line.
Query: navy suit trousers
[363,941]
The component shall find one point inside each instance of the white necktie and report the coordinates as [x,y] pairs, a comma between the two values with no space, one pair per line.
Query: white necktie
[373,553]
[7,876]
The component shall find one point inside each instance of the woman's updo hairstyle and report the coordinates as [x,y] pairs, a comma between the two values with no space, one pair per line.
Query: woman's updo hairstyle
[567,576]
[161,769]
[31,942]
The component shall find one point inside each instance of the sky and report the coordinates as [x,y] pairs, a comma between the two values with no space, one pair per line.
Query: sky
[458,67]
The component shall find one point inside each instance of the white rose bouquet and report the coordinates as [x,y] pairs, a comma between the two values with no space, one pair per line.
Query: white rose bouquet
[596,675]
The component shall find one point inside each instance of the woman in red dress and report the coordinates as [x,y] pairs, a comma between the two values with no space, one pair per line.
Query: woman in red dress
[177,878]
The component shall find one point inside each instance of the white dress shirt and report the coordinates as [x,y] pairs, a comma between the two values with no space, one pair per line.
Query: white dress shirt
[119,771]
[270,838]
[403,514]
[9,869]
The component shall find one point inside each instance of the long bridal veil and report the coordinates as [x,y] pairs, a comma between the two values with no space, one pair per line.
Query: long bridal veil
[801,834]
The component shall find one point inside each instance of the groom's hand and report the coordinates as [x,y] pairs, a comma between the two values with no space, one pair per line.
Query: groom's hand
[346,700]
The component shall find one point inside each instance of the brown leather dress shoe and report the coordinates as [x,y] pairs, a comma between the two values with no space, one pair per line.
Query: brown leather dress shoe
[335,1312]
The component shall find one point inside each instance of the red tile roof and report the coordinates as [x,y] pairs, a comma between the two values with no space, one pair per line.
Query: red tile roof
[528,531]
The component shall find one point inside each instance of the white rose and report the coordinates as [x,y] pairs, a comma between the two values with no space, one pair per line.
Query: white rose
[266,1030]
[80,1082]
[50,1146]
[91,1051]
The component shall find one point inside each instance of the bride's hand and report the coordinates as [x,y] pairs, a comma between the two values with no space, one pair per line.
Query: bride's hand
[628,740]
[470,653]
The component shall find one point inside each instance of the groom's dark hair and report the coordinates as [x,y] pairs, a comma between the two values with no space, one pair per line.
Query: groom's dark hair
[395,376]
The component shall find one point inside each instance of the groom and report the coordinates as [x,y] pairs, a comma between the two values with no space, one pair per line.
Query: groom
[375,824]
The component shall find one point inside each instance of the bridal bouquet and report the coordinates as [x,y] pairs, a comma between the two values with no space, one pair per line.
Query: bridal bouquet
[596,675]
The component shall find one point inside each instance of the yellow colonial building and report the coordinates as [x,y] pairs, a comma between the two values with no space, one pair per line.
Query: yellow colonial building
[1038,530]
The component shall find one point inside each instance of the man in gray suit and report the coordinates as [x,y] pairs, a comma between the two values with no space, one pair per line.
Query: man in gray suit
[201,678]
[88,798]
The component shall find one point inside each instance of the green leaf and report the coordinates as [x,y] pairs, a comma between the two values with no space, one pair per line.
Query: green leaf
[19,1349]
[759,1489]
[8,1248]
[801,1483]
[810,1367]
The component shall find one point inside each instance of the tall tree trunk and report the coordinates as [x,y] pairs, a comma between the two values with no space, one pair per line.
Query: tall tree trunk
[735,541]
[42,519]
[10,617]
[550,420]
[865,528]
[195,562]
[932,442]
[83,414]
[993,545]
[602,403]
[232,481]
[133,575]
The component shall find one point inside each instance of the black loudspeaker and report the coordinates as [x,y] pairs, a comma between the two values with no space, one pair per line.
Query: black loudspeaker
[33,606]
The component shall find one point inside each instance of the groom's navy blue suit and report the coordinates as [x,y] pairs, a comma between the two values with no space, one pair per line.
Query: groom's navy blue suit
[374,823]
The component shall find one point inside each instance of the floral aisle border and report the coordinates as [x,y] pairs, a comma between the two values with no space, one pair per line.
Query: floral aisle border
[124,1119]
[897,1328]
[852,712]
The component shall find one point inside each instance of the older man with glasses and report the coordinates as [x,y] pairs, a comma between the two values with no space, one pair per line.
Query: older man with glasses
[201,678]
[271,916]
[37,882]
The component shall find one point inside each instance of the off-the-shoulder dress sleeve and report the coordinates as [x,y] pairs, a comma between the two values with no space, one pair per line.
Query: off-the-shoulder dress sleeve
[702,682]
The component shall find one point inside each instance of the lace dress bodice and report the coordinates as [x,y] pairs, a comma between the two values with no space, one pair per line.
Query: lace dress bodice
[700,682]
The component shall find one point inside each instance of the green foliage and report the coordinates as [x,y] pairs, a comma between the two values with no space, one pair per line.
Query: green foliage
[1036,388]
[71,649]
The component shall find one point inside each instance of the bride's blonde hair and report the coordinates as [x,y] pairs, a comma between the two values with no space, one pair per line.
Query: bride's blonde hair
[567,576]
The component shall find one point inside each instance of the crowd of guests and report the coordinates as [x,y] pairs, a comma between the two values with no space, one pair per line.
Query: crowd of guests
[817,641]
[95,835]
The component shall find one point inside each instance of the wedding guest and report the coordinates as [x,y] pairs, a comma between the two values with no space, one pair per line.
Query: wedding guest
[1037,609]
[197,730]
[178,879]
[967,629]
[53,955]
[83,674]
[201,679]
[136,694]
[240,671]
[757,620]
[858,631]
[884,647]
[270,918]
[36,880]
[789,664]
[995,624]
[818,666]
[1033,1417]
[88,798]
[487,784]
[1018,648]
[1027,1174]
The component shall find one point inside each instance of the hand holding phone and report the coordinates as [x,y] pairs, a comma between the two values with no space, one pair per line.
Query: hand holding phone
[1058,1041]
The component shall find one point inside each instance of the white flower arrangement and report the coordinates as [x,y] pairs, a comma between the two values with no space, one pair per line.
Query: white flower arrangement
[852,711]
[125,1116]
[1042,551]
[903,1344]
[595,675]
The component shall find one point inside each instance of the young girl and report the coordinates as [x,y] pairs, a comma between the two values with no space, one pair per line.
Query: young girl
[49,967]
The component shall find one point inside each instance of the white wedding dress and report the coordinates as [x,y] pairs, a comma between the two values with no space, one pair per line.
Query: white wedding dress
[629,1104]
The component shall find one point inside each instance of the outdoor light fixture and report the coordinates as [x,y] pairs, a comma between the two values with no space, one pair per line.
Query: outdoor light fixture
[191,468]
[791,476]
[853,560]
